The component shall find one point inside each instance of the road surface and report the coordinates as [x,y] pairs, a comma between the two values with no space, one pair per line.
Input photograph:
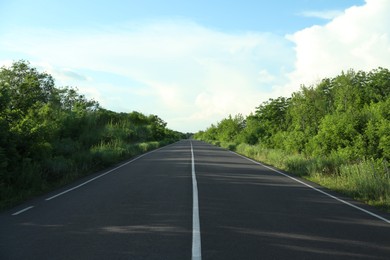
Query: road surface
[146,209]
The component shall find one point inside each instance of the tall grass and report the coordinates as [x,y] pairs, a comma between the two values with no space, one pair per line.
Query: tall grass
[367,180]
[60,170]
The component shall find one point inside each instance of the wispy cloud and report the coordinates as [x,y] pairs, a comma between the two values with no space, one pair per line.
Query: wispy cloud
[188,74]
[324,14]
[68,73]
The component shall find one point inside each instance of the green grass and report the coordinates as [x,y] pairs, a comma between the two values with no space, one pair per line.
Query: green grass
[64,170]
[367,180]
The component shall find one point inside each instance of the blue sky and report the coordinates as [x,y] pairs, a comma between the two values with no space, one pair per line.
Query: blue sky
[277,16]
[193,62]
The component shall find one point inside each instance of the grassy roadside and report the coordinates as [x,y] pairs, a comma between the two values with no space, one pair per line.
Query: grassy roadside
[100,157]
[367,181]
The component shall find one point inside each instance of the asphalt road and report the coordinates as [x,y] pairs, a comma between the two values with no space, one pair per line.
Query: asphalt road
[144,210]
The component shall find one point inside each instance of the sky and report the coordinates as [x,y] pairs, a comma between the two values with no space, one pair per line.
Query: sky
[193,63]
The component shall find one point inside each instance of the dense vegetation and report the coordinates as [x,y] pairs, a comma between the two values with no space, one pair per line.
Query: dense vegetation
[50,135]
[336,133]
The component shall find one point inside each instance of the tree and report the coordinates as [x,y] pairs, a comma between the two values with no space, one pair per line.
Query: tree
[229,128]
[251,130]
[377,85]
[26,86]
[273,118]
[50,134]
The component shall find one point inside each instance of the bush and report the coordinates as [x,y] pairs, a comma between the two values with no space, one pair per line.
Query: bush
[55,135]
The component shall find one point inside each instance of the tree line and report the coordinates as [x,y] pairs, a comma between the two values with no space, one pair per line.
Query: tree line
[51,135]
[344,120]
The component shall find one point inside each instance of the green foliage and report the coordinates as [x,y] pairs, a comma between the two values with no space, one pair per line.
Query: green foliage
[320,131]
[272,116]
[368,179]
[50,135]
[225,132]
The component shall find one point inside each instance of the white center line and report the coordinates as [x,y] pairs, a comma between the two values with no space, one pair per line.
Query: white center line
[196,246]
[21,211]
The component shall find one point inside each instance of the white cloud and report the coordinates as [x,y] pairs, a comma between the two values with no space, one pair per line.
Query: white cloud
[192,76]
[358,39]
[187,74]
[266,77]
[325,14]
[68,73]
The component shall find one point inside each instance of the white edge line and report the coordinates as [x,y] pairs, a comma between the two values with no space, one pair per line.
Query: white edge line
[23,210]
[318,190]
[101,175]
[196,243]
